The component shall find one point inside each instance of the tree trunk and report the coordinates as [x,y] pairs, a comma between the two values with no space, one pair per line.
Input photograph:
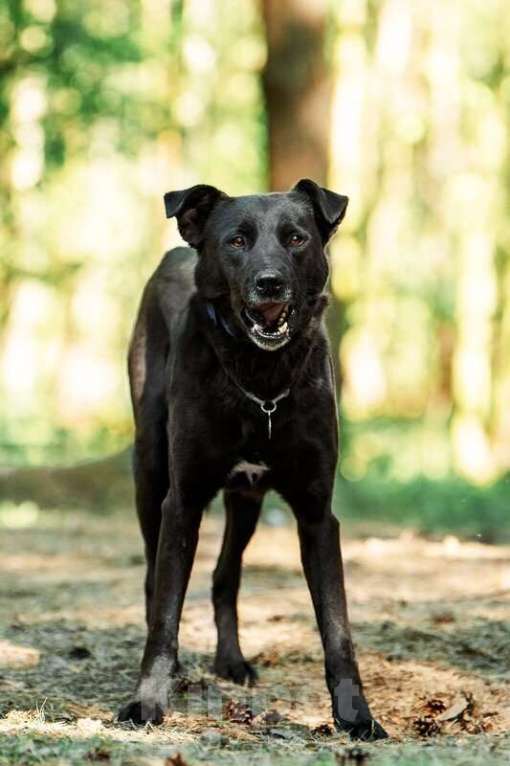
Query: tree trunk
[298,92]
[297,89]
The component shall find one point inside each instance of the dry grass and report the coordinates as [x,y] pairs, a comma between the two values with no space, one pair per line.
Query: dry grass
[431,623]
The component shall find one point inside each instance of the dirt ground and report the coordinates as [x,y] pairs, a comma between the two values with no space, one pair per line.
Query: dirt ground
[431,623]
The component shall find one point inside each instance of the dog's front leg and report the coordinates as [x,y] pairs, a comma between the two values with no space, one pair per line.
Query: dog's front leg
[176,551]
[322,563]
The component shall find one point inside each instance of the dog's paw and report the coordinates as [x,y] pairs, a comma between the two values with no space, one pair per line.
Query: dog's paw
[140,713]
[364,730]
[237,670]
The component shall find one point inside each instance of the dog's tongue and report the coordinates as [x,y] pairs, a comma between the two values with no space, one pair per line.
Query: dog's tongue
[270,311]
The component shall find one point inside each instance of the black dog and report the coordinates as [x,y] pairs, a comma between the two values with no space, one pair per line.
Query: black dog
[232,387]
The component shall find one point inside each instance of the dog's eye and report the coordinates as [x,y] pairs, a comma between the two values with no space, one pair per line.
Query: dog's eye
[237,242]
[295,239]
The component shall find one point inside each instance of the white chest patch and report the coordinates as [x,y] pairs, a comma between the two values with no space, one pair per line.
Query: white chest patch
[252,471]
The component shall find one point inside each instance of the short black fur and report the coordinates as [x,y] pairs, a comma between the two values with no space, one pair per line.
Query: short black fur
[241,310]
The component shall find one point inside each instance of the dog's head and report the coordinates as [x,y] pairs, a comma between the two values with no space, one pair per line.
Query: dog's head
[261,257]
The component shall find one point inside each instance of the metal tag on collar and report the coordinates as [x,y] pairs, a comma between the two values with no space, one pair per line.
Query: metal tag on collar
[268,407]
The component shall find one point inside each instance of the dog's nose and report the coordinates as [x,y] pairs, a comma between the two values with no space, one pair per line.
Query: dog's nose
[269,284]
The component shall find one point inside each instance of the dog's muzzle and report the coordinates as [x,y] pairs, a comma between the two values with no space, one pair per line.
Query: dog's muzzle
[268,324]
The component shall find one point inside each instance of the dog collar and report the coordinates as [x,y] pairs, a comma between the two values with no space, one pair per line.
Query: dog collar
[268,406]
[216,318]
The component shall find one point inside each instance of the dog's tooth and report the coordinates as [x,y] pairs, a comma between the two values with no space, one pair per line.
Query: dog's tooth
[284,327]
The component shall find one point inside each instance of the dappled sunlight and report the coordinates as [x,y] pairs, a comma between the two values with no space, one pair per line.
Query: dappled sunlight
[473,450]
[16,656]
[96,139]
[409,559]
[86,726]
[29,106]
[418,141]
[403,107]
[425,623]
[365,376]
[19,515]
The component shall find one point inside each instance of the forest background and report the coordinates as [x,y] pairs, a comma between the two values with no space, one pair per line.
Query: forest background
[402,106]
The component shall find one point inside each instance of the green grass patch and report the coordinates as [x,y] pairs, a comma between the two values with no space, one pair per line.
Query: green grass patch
[448,506]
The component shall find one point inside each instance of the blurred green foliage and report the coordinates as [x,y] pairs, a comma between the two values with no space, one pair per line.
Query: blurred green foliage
[452,506]
[106,106]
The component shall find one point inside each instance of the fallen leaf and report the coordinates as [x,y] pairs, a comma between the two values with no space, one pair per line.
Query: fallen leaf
[176,760]
[454,711]
[238,712]
[443,618]
[426,726]
[98,754]
[268,658]
[435,705]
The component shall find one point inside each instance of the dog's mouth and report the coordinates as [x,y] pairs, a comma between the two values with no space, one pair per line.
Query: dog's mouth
[268,324]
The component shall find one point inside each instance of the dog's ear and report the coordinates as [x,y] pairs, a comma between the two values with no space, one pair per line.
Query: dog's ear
[329,207]
[192,208]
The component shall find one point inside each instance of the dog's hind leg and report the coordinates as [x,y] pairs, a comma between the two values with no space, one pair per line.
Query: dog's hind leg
[242,513]
[146,364]
[151,486]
